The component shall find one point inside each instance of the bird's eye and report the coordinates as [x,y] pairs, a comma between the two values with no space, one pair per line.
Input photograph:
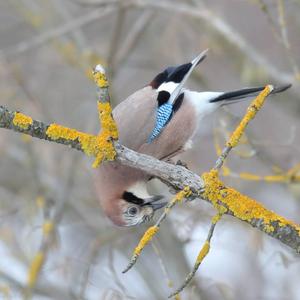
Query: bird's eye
[132,211]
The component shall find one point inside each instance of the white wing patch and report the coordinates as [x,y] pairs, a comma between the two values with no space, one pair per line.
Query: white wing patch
[168,87]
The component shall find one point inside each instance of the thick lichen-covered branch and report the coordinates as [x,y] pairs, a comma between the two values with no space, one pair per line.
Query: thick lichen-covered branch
[241,206]
[177,176]
[92,145]
[250,211]
[109,130]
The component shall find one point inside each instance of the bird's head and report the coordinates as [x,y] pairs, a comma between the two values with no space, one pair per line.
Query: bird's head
[133,208]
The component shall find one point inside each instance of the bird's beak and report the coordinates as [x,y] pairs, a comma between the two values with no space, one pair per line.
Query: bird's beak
[152,201]
[197,60]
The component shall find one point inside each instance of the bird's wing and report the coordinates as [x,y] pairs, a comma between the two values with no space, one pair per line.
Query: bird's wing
[135,118]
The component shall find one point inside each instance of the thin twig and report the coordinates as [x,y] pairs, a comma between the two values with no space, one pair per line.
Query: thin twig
[116,39]
[224,28]
[37,41]
[153,230]
[238,132]
[49,228]
[161,263]
[202,254]
[133,36]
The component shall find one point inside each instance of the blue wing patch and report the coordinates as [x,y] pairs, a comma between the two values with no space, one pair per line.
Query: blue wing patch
[163,115]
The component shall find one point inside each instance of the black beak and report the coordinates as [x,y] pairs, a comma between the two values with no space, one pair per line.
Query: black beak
[152,202]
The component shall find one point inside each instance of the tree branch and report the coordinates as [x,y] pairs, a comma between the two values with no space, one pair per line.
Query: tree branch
[208,187]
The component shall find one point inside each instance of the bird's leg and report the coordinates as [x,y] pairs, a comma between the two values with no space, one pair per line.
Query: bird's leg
[179,162]
[182,164]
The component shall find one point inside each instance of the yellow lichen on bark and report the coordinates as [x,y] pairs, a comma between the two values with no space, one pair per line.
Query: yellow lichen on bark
[100,79]
[22,121]
[108,124]
[203,252]
[147,237]
[88,142]
[186,192]
[251,112]
[109,132]
[100,146]
[241,206]
[35,268]
[216,218]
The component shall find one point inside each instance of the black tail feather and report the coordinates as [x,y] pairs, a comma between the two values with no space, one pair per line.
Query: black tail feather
[247,92]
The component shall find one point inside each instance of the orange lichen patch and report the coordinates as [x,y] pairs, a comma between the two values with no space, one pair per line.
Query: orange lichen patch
[251,112]
[22,121]
[203,252]
[100,79]
[48,227]
[147,237]
[217,217]
[87,141]
[249,176]
[109,132]
[241,206]
[35,268]
[108,124]
[100,146]
[186,192]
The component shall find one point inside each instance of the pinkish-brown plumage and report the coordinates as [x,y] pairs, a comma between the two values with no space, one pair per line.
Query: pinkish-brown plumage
[135,118]
[122,190]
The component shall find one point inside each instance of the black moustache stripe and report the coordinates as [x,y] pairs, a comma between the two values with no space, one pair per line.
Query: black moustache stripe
[130,197]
